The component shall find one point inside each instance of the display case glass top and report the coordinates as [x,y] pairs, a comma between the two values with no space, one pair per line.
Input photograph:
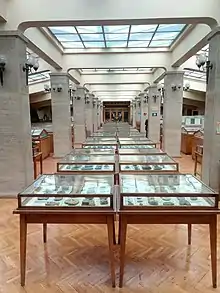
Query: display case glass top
[190,130]
[133,151]
[99,146]
[87,163]
[137,146]
[147,163]
[103,134]
[111,140]
[73,191]
[135,141]
[165,191]
[98,151]
[134,138]
[39,133]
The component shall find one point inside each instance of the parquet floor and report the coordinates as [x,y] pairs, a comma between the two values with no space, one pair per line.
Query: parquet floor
[75,258]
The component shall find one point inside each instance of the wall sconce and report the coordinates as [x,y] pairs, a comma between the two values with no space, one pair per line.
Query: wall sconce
[3,62]
[175,87]
[87,101]
[146,99]
[161,88]
[155,98]
[58,88]
[78,98]
[31,62]
[47,89]
[186,87]
[203,63]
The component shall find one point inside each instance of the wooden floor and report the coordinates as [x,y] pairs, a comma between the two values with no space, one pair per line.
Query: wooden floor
[75,258]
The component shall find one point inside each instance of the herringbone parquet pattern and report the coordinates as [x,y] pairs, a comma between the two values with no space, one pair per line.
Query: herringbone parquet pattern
[75,258]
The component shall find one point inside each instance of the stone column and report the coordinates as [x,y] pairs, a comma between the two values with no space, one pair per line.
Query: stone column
[101,114]
[79,117]
[138,112]
[154,114]
[134,114]
[172,113]
[98,114]
[144,111]
[89,114]
[61,116]
[16,163]
[95,123]
[211,156]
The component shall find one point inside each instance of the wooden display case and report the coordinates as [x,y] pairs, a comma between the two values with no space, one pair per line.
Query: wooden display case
[197,140]
[42,139]
[142,163]
[186,139]
[67,199]
[88,164]
[167,199]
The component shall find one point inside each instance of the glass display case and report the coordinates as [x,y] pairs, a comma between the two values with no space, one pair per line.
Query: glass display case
[136,145]
[111,140]
[87,163]
[90,151]
[197,140]
[187,139]
[165,191]
[103,134]
[69,191]
[43,141]
[98,146]
[136,138]
[143,151]
[139,163]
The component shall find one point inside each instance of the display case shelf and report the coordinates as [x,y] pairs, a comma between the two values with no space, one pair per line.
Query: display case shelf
[165,191]
[139,163]
[87,164]
[68,191]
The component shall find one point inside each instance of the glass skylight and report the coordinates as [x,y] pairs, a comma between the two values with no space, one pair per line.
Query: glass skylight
[113,70]
[38,76]
[114,36]
[192,73]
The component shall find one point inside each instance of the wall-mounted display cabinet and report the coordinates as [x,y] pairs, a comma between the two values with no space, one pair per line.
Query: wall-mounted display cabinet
[147,164]
[43,141]
[67,191]
[87,164]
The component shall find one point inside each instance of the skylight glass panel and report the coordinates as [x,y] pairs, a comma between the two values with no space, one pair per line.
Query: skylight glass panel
[141,36]
[89,29]
[124,29]
[94,44]
[92,37]
[72,45]
[165,36]
[165,43]
[68,38]
[115,44]
[143,28]
[113,37]
[63,29]
[138,44]
[170,27]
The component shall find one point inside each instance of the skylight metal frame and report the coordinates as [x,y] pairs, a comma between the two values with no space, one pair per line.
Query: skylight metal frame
[100,36]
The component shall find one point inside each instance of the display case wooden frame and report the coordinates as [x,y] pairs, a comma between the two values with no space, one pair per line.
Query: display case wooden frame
[151,162]
[41,137]
[169,215]
[88,164]
[197,140]
[63,215]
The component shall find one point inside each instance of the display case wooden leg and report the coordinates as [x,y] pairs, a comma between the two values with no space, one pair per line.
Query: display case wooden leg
[195,165]
[41,164]
[119,229]
[123,232]
[110,225]
[23,245]
[189,234]
[114,237]
[45,232]
[213,247]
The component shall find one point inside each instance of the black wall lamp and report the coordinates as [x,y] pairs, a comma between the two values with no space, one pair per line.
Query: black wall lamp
[58,88]
[175,87]
[3,62]
[203,63]
[31,63]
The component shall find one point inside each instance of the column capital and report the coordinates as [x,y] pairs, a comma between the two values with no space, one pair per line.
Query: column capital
[16,34]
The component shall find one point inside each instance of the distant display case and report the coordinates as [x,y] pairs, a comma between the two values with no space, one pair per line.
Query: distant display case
[67,191]
[143,151]
[135,144]
[111,140]
[87,164]
[101,145]
[165,191]
[187,139]
[91,151]
[197,140]
[43,140]
[103,134]
[147,164]
[135,139]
